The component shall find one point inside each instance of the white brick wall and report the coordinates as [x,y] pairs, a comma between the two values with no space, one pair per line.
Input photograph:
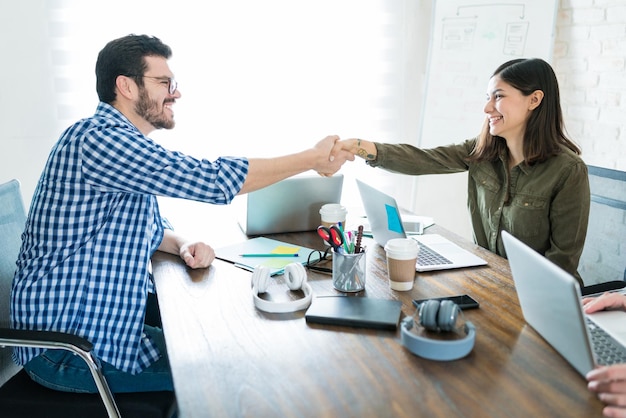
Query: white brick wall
[590,62]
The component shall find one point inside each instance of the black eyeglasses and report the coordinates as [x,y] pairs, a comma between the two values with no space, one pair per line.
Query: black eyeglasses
[316,257]
[172,85]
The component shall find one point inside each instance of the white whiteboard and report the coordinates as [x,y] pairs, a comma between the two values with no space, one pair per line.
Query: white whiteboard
[469,40]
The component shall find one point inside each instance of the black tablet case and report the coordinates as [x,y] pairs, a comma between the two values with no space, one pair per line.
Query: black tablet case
[355,311]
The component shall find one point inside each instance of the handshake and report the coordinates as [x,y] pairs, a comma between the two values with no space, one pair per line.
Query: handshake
[335,152]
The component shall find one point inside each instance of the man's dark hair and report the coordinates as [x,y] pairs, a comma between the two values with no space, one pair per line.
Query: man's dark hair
[125,56]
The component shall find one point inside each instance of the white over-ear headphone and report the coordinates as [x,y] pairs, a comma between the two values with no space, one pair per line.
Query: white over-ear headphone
[295,277]
[437,316]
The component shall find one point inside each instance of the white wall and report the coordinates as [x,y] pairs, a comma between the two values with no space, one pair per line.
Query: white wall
[27,111]
[257,78]
[590,61]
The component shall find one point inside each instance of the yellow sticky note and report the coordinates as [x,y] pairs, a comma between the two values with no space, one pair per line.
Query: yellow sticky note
[283,249]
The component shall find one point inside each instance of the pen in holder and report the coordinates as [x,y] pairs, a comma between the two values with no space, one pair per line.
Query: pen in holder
[349,271]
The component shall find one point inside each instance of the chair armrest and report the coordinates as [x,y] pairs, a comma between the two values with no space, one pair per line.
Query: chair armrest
[598,289]
[38,338]
[64,341]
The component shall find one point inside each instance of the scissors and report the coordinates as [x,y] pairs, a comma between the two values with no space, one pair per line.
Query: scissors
[331,235]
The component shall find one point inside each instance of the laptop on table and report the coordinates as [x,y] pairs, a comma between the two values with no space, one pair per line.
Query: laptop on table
[551,304]
[291,205]
[436,252]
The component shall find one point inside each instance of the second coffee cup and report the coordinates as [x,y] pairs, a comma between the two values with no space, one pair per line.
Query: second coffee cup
[401,257]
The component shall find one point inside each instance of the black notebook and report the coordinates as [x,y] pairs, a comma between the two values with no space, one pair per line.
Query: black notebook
[355,312]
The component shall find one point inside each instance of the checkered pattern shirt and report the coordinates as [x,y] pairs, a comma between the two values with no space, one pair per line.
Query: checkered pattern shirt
[93,225]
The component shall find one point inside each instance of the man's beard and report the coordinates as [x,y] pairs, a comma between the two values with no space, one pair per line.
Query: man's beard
[149,110]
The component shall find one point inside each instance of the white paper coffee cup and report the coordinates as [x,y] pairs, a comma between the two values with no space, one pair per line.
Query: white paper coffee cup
[333,213]
[401,257]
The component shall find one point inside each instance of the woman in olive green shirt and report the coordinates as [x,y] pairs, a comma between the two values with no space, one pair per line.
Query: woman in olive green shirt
[525,175]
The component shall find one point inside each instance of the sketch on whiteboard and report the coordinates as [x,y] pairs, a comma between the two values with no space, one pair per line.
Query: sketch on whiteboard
[515,38]
[459,30]
[458,33]
[470,39]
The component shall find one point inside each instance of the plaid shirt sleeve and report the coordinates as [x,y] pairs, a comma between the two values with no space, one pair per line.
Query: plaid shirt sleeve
[120,158]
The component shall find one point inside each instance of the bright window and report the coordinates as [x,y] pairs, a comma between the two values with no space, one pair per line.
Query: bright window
[258,78]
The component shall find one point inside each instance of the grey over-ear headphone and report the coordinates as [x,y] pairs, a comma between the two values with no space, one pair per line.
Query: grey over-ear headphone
[295,277]
[437,316]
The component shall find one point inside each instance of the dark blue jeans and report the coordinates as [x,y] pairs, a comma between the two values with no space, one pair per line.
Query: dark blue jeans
[64,371]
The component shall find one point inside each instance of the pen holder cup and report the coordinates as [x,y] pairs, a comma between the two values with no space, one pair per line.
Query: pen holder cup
[349,271]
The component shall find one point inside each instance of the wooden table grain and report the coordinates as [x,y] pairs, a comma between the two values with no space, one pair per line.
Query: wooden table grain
[231,360]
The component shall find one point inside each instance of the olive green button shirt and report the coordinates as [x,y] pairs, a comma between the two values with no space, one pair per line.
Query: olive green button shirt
[545,205]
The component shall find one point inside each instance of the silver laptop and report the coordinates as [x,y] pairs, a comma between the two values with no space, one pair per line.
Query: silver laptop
[550,301]
[436,252]
[291,205]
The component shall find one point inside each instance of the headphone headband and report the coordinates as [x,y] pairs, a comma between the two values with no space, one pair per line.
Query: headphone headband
[437,349]
[295,278]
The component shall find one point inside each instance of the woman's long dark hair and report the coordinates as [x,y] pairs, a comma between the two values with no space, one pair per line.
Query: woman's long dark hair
[544,133]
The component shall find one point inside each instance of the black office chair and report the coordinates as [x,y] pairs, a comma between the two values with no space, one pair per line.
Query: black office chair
[20,396]
[603,264]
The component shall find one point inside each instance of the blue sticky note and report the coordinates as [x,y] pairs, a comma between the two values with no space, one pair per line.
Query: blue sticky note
[393,219]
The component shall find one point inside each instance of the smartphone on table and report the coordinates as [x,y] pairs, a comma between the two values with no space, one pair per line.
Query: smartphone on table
[464,301]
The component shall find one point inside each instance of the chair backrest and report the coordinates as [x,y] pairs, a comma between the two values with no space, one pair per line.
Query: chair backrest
[604,255]
[12,220]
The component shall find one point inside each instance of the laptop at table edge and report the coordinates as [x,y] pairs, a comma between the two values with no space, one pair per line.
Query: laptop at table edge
[378,206]
[290,205]
[550,299]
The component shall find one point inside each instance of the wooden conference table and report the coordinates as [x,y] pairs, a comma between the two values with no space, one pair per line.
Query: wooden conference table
[231,360]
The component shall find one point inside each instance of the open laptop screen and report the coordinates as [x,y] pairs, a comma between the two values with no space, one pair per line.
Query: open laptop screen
[291,205]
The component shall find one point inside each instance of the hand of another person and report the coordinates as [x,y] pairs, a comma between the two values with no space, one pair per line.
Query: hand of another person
[348,145]
[609,383]
[362,148]
[197,254]
[605,301]
[330,160]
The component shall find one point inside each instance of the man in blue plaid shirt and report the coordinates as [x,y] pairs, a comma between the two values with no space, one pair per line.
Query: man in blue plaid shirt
[94,223]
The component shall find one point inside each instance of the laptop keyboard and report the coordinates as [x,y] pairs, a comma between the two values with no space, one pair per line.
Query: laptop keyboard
[608,351]
[428,257]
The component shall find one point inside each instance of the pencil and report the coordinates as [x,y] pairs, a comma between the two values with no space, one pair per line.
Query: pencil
[269,255]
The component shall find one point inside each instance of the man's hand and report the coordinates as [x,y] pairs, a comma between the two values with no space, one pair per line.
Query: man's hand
[197,254]
[331,159]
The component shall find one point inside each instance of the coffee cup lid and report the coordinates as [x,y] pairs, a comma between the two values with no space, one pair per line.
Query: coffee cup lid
[333,209]
[402,248]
